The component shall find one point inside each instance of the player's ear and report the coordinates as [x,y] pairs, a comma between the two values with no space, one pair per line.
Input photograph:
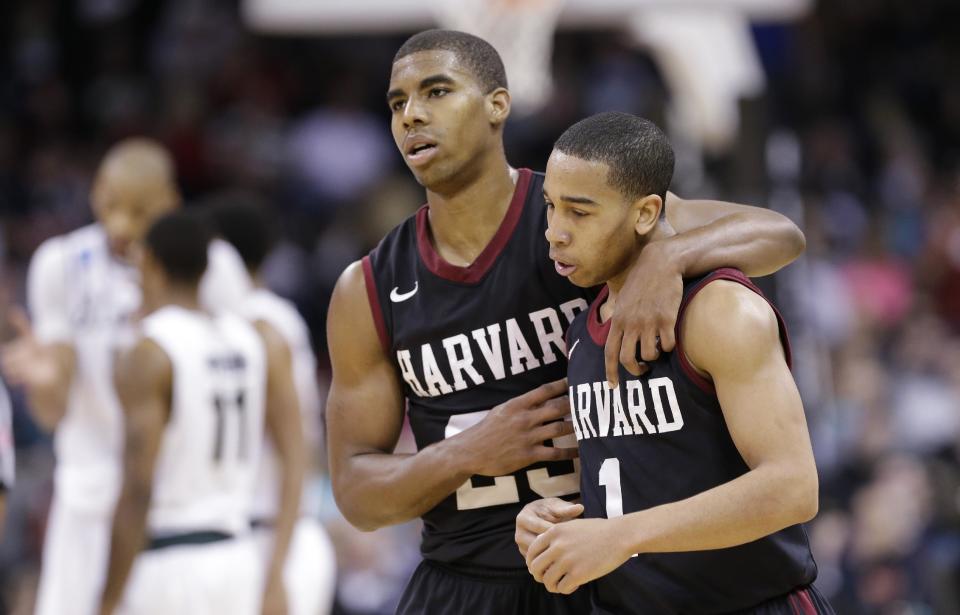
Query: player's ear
[498,106]
[647,213]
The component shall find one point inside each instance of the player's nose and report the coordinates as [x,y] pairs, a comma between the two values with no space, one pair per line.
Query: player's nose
[414,113]
[557,236]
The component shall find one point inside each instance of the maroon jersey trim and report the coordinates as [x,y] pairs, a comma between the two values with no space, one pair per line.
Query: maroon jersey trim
[474,272]
[599,331]
[733,275]
[375,308]
[801,603]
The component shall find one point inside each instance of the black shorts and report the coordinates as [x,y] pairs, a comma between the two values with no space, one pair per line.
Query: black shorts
[436,589]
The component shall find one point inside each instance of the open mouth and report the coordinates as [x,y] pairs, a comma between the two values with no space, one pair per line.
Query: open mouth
[564,269]
[421,152]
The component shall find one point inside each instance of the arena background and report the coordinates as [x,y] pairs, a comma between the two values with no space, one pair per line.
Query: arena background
[843,114]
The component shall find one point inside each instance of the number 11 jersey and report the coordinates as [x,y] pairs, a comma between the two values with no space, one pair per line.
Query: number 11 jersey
[466,339]
[207,464]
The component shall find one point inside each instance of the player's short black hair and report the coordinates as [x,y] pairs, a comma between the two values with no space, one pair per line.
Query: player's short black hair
[178,241]
[474,53]
[639,155]
[241,218]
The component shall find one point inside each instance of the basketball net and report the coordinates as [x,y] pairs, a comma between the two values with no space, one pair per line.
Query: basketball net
[522,32]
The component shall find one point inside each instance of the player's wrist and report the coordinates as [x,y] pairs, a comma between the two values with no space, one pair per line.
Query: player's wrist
[672,252]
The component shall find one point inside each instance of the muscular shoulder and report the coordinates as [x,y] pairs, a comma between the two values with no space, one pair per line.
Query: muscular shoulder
[351,331]
[728,324]
[143,370]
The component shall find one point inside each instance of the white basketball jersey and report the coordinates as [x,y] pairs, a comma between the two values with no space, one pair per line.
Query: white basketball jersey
[282,315]
[79,294]
[210,453]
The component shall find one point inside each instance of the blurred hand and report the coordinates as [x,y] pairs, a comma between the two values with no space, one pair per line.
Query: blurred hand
[646,312]
[25,361]
[539,516]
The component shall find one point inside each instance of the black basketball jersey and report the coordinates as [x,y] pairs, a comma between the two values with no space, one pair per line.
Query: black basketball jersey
[465,339]
[661,438]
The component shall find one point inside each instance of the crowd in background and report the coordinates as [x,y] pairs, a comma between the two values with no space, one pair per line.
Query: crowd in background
[857,138]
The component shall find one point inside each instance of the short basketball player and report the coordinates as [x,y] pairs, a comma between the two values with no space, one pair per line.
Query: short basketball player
[84,296]
[702,465]
[196,391]
[457,319]
[7,461]
[309,573]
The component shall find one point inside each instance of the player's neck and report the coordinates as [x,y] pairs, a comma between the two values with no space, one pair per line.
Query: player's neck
[663,230]
[185,297]
[464,221]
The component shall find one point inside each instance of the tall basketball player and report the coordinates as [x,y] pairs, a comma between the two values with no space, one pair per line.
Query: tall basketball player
[196,390]
[702,465]
[457,318]
[309,573]
[83,297]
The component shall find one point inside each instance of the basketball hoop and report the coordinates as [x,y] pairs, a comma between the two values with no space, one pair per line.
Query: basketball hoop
[522,32]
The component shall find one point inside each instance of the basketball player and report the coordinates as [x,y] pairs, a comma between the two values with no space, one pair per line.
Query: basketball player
[194,389]
[309,573]
[702,465]
[83,297]
[459,316]
[7,462]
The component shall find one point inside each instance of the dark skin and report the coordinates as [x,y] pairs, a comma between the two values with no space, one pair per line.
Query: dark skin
[437,102]
[731,337]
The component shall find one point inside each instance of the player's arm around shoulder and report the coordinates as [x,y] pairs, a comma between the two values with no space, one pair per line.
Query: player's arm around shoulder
[732,335]
[769,240]
[709,235]
[365,408]
[144,383]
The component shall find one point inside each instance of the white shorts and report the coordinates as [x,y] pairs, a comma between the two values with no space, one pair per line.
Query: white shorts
[205,579]
[74,566]
[311,568]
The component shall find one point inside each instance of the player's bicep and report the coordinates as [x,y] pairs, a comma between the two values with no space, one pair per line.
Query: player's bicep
[143,380]
[733,335]
[365,403]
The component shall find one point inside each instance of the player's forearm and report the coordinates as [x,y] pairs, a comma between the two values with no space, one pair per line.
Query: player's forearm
[761,502]
[48,396]
[126,541]
[292,473]
[758,243]
[377,489]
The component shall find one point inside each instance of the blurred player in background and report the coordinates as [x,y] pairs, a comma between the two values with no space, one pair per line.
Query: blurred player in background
[703,464]
[458,318]
[196,390]
[83,296]
[7,459]
[310,571]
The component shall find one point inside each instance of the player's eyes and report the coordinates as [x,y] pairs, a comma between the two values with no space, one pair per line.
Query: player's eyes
[579,213]
[397,105]
[438,92]
[549,204]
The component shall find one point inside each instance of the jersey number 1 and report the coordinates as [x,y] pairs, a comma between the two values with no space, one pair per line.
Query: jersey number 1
[223,405]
